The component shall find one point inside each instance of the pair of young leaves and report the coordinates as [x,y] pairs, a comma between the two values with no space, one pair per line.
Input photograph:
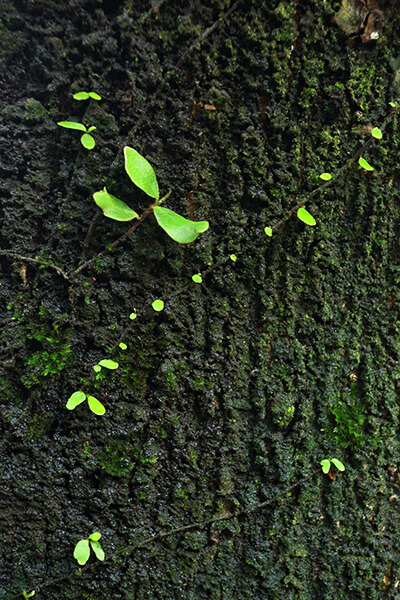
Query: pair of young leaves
[142,174]
[82,548]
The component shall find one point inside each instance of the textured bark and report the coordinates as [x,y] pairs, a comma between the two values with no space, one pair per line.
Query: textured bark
[203,476]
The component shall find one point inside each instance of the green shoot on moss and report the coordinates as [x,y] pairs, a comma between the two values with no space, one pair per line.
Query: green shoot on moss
[158,305]
[268,231]
[82,548]
[197,278]
[142,174]
[326,464]
[364,164]
[325,176]
[87,140]
[28,595]
[86,96]
[133,315]
[78,397]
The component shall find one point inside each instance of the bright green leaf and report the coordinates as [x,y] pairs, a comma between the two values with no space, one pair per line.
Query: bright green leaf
[392,104]
[81,96]
[94,96]
[108,364]
[268,231]
[197,278]
[87,141]
[338,464]
[305,216]
[326,465]
[123,346]
[133,315]
[177,227]
[97,549]
[95,406]
[114,208]
[95,536]
[141,172]
[158,305]
[376,133]
[92,128]
[26,595]
[325,176]
[363,163]
[75,399]
[72,125]
[233,257]
[82,552]
[97,368]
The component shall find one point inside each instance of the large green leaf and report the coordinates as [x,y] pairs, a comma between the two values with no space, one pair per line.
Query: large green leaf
[75,399]
[141,172]
[72,125]
[82,552]
[114,208]
[178,228]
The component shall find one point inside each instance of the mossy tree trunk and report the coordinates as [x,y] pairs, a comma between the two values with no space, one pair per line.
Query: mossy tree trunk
[203,476]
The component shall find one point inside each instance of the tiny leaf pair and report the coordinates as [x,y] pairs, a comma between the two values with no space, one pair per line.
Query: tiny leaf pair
[143,176]
[78,397]
[87,140]
[82,548]
[86,96]
[326,464]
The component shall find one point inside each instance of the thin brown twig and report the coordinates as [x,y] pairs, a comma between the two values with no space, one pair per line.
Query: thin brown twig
[35,261]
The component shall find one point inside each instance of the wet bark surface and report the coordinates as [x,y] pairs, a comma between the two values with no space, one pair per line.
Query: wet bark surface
[203,476]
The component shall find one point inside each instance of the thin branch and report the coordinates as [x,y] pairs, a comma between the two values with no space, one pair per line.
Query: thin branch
[35,261]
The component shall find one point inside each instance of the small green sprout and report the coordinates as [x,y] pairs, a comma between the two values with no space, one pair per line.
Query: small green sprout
[158,305]
[326,464]
[143,176]
[133,315]
[268,231]
[82,548]
[392,104]
[325,176]
[305,216]
[86,96]
[364,164]
[376,133]
[233,257]
[108,364]
[78,397]
[28,595]
[87,140]
[197,278]
[123,346]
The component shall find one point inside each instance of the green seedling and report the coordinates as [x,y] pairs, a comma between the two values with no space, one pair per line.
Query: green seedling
[87,140]
[392,104]
[86,96]
[123,346]
[142,174]
[78,397]
[325,176]
[233,257]
[326,464]
[133,315]
[305,216]
[82,548]
[364,164]
[376,133]
[158,305]
[197,278]
[268,231]
[28,595]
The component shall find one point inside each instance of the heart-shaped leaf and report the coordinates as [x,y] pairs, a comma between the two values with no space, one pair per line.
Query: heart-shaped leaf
[87,141]
[305,216]
[178,228]
[97,549]
[72,125]
[82,552]
[95,406]
[141,172]
[113,208]
[76,399]
[108,364]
